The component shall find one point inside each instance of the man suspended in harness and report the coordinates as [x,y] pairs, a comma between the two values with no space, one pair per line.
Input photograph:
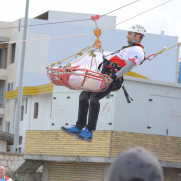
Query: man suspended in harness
[122,62]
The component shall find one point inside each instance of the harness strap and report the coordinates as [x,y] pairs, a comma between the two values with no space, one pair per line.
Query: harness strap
[128,98]
[131,45]
[111,66]
[137,44]
[107,65]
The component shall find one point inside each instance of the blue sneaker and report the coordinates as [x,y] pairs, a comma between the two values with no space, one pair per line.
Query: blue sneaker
[71,131]
[85,135]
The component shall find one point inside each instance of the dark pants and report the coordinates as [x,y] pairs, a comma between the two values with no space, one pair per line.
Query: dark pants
[89,101]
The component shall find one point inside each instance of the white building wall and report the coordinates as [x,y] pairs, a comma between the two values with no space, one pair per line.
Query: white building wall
[155,108]
[44,120]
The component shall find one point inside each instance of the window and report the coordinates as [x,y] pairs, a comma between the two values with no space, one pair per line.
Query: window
[3,57]
[8,149]
[22,112]
[13,50]
[19,150]
[1,124]
[20,140]
[10,86]
[7,128]
[36,110]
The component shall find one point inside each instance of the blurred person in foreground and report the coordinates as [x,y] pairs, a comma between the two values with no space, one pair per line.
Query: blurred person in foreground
[136,164]
[3,177]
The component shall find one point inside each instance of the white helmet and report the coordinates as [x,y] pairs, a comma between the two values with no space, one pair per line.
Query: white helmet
[138,29]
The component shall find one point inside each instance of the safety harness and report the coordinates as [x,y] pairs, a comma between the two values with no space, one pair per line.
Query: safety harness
[112,66]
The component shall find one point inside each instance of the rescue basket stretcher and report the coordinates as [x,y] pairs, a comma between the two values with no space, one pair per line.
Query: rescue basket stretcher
[78,78]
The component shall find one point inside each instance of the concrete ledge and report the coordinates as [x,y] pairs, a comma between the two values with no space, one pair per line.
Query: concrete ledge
[69,158]
[4,39]
[88,159]
[171,164]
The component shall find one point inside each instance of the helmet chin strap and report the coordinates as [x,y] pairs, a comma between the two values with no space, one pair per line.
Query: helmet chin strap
[133,36]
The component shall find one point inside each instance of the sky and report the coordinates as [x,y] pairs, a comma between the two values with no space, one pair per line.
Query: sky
[165,18]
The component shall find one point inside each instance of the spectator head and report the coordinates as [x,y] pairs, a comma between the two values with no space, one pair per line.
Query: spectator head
[2,172]
[136,164]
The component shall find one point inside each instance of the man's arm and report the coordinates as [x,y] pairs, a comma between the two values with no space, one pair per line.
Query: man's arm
[129,65]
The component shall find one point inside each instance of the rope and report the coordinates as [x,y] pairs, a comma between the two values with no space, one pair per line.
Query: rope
[92,55]
[75,54]
[88,34]
[163,50]
[96,64]
[78,59]
[49,38]
[70,21]
[173,46]
[152,56]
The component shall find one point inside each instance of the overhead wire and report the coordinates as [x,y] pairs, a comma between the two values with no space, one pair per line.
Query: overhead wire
[118,8]
[70,21]
[137,15]
[88,34]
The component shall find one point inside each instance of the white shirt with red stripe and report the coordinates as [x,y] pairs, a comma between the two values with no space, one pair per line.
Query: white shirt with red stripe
[133,53]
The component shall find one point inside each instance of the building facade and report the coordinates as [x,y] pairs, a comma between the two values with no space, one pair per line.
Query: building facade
[8,70]
[41,109]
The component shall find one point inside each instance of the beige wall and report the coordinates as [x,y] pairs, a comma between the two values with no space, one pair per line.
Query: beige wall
[92,171]
[5,32]
[76,171]
[13,35]
[105,144]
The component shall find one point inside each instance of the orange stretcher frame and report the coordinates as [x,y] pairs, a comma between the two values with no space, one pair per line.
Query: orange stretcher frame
[82,79]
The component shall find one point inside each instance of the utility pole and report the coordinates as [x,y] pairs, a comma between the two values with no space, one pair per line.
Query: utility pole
[19,98]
